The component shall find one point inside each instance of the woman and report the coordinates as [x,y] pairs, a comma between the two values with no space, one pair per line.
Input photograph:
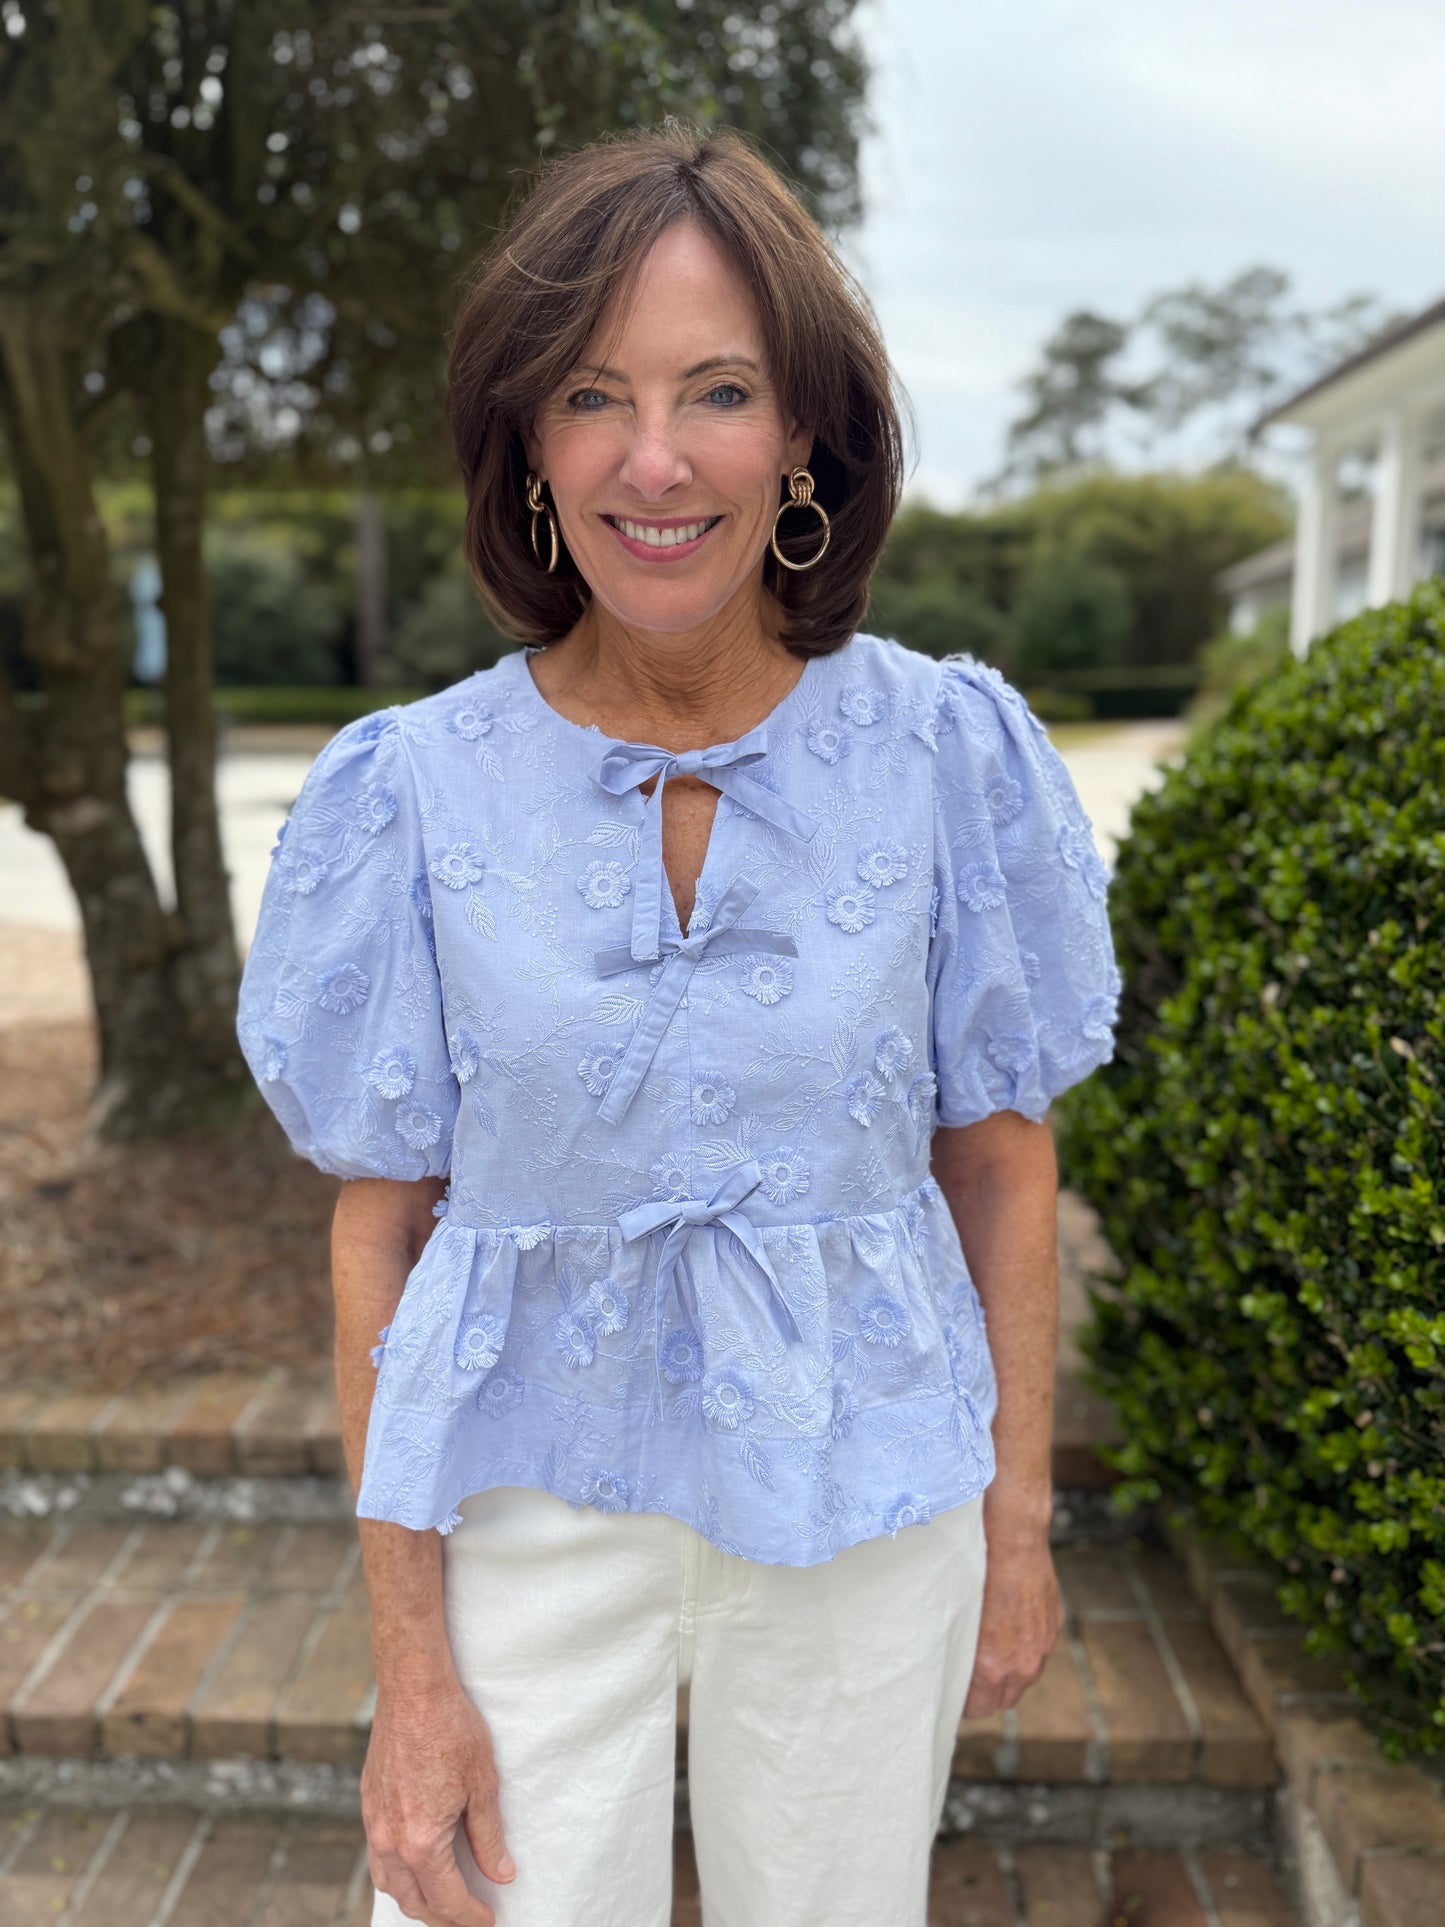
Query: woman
[727,960]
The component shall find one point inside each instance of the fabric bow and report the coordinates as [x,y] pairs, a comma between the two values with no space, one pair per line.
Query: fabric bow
[627,766]
[682,1216]
[722,934]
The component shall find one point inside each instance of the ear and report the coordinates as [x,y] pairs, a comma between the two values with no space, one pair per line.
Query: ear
[533,450]
[797,448]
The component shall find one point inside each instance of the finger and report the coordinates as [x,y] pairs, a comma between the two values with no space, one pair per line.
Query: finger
[482,1827]
[400,1885]
[449,1896]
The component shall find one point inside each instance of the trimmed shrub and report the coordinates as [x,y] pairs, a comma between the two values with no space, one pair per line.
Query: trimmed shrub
[1267,1150]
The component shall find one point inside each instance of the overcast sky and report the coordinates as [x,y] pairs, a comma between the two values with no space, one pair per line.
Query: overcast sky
[1034,156]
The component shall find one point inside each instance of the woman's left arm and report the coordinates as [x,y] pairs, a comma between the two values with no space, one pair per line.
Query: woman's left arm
[1001,1182]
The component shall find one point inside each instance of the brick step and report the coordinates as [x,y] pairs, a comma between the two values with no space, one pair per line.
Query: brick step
[114,1868]
[189,1641]
[284,1425]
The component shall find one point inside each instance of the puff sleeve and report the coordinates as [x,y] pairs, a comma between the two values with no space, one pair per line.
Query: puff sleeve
[1021,969]
[340,1014]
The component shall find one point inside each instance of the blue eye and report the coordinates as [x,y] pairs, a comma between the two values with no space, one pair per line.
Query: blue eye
[727,388]
[583,399]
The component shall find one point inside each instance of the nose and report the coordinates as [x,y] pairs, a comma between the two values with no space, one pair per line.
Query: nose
[655,462]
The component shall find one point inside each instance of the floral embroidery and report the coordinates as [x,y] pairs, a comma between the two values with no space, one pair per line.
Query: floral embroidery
[981,886]
[501,1393]
[883,863]
[892,1053]
[1076,845]
[681,1357]
[375,808]
[575,1340]
[480,1345]
[883,1319]
[1005,798]
[606,1490]
[785,1176]
[464,1054]
[302,870]
[670,1178]
[727,1399]
[908,1509]
[606,1309]
[767,980]
[1099,1018]
[1011,1050]
[391,1073]
[863,1094]
[418,1127]
[604,885]
[470,720]
[712,1099]
[922,1093]
[861,705]
[344,989]
[457,866]
[850,906]
[831,741]
[805,1399]
[597,1069]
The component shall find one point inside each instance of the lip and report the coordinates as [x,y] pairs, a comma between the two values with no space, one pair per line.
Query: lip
[676,551]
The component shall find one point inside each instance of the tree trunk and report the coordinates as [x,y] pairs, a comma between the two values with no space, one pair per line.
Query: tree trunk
[207,968]
[64,758]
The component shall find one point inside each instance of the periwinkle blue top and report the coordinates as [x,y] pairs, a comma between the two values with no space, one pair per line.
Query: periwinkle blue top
[691,1259]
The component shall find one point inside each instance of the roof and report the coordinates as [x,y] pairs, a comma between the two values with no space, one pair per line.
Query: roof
[1403,331]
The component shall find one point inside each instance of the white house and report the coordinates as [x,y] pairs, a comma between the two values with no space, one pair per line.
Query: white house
[1386,403]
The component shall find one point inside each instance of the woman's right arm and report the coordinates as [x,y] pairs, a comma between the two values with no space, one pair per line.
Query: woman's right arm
[429,1762]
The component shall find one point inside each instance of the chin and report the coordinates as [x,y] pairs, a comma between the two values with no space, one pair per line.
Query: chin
[662,608]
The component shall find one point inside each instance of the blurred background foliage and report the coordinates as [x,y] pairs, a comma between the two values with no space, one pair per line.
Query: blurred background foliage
[1097,596]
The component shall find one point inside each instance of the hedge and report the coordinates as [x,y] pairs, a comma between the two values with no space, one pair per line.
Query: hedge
[1266,1149]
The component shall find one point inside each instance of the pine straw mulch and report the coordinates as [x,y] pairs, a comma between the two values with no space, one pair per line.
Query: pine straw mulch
[122,1263]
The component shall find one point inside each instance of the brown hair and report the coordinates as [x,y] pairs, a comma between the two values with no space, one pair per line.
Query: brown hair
[532,304]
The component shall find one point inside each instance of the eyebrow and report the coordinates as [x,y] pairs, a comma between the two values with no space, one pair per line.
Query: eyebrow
[688,374]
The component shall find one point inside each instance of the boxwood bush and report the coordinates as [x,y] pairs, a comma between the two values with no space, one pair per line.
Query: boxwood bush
[1266,1149]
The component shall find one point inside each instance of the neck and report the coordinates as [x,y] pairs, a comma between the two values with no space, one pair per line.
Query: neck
[681,689]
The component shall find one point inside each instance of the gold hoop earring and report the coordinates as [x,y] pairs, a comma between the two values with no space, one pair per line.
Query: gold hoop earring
[800,496]
[539,508]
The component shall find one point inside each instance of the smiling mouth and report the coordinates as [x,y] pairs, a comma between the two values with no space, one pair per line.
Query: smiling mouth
[657,535]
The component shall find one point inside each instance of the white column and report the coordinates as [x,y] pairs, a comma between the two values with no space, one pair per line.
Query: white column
[1312,607]
[1398,508]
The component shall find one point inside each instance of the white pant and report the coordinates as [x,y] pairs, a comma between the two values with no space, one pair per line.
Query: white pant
[823,1703]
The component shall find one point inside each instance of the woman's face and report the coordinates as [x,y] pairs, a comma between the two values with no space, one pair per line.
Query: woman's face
[665,448]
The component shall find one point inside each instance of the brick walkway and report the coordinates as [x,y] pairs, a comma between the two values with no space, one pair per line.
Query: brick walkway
[210,1641]
[129,1868]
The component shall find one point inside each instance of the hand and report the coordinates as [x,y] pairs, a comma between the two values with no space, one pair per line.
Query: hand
[429,1764]
[1022,1617]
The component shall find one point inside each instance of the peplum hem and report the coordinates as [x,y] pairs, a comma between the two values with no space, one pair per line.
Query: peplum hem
[530,1355]
[832,1493]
